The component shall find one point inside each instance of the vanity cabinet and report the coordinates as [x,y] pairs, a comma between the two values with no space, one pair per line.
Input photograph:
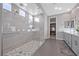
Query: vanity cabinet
[67,38]
[73,41]
[75,44]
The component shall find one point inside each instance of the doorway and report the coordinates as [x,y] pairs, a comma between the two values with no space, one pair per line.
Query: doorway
[53,28]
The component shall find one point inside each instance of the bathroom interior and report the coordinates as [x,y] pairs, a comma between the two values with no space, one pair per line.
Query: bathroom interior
[26,27]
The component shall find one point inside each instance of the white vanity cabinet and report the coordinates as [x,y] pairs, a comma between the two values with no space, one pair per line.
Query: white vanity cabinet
[73,41]
[67,38]
[75,44]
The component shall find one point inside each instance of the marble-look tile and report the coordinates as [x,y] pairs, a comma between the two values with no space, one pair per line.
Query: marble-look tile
[27,49]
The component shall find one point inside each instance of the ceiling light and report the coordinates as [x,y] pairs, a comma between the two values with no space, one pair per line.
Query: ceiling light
[77,7]
[25,4]
[60,8]
[37,19]
[28,30]
[56,8]
[68,9]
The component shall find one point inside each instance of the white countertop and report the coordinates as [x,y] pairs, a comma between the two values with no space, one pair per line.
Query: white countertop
[73,32]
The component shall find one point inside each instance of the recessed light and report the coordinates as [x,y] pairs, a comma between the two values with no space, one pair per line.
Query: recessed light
[25,4]
[77,7]
[68,9]
[36,19]
[28,30]
[56,8]
[60,8]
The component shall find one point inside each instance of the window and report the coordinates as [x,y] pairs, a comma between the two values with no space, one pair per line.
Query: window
[7,6]
[21,12]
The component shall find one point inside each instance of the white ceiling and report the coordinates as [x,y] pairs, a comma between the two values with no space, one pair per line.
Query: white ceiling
[56,8]
[32,8]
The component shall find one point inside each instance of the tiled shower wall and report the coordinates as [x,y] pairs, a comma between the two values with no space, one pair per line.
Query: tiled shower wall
[12,39]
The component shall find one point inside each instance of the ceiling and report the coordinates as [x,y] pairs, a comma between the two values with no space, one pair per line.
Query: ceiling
[56,8]
[47,8]
[32,8]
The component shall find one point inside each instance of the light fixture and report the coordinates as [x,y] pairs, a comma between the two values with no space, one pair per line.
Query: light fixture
[68,9]
[36,19]
[78,7]
[25,4]
[59,8]
[56,8]
[28,30]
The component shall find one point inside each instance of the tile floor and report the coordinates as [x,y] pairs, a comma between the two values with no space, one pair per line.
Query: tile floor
[54,47]
[51,47]
[27,49]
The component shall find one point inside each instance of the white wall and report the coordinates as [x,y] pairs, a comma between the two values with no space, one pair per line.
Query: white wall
[60,18]
[60,24]
[48,27]
[45,27]
[0,26]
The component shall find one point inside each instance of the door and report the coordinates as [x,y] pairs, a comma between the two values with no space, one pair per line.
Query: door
[53,28]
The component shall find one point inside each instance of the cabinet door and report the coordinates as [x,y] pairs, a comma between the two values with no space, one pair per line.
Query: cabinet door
[67,38]
[75,44]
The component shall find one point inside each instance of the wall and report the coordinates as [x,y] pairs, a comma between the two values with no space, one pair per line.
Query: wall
[59,26]
[60,20]
[75,15]
[21,34]
[48,27]
[45,27]
[0,27]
